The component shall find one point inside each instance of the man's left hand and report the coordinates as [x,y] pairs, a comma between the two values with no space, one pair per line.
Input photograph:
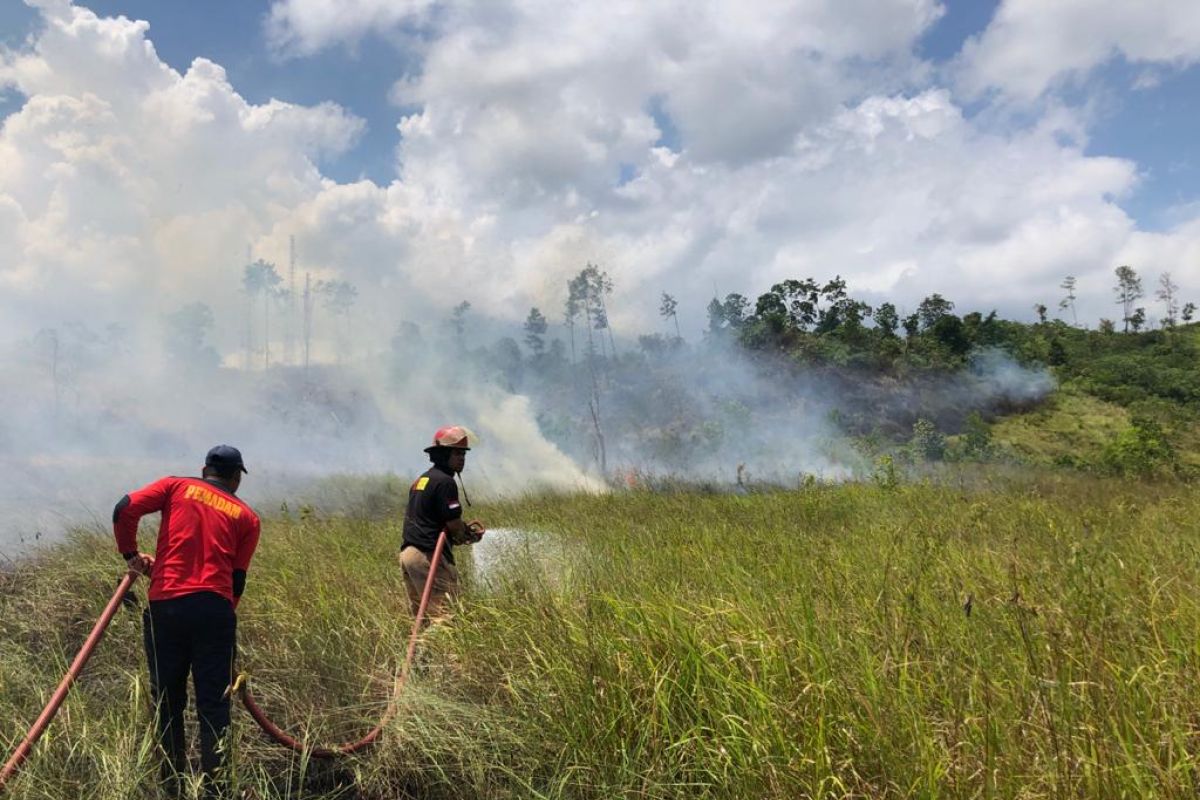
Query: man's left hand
[140,563]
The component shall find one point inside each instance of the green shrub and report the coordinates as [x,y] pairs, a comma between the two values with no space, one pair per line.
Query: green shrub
[927,443]
[1142,450]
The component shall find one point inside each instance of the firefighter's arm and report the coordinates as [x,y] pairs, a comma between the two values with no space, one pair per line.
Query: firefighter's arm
[457,531]
[126,514]
[460,532]
[241,560]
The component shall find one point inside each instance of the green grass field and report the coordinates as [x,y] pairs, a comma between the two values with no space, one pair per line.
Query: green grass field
[1026,639]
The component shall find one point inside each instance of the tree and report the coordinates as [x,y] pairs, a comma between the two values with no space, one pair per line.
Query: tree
[1107,326]
[927,443]
[800,301]
[932,309]
[887,320]
[734,310]
[950,332]
[1129,291]
[587,292]
[1138,319]
[187,333]
[1069,300]
[458,321]
[260,280]
[570,314]
[535,331]
[338,298]
[1168,292]
[1141,449]
[716,316]
[1189,310]
[838,306]
[1041,312]
[506,360]
[912,326]
[976,436]
[667,308]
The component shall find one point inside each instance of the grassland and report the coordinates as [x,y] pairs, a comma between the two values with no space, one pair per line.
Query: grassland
[1023,639]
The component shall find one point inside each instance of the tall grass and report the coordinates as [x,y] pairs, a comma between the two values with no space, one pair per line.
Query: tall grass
[1033,640]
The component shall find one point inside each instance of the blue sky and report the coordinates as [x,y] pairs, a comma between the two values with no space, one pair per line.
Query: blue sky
[1157,127]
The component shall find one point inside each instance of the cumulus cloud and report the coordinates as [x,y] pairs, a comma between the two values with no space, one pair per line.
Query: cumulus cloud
[303,27]
[1030,46]
[124,179]
[792,158]
[681,146]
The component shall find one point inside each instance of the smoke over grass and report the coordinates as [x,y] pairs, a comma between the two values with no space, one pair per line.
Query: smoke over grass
[92,415]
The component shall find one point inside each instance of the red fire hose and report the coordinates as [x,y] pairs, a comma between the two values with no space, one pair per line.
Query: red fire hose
[240,685]
[279,735]
[60,694]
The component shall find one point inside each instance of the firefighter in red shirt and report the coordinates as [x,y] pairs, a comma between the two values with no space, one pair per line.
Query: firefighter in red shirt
[197,574]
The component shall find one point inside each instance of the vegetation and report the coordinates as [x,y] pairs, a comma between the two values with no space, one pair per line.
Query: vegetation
[1005,638]
[918,387]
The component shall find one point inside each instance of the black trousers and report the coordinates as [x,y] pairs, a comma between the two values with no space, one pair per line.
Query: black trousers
[194,633]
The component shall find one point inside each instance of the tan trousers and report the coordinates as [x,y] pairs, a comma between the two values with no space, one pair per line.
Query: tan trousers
[415,565]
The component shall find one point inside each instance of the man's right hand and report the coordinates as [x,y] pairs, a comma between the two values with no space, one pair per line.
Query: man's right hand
[140,563]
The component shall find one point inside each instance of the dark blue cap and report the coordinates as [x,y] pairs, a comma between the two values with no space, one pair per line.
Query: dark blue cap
[223,457]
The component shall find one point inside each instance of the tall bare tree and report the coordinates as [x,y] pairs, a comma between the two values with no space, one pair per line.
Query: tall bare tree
[668,308]
[1168,293]
[338,297]
[570,315]
[1068,301]
[260,279]
[1129,291]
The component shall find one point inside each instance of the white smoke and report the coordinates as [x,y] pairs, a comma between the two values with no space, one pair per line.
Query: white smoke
[129,190]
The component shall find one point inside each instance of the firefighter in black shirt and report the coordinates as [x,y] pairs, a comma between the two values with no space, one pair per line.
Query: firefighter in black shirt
[433,507]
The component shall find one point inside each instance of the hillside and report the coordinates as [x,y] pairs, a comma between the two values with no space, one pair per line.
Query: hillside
[1127,403]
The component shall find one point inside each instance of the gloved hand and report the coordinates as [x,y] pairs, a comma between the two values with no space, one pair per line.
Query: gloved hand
[475,531]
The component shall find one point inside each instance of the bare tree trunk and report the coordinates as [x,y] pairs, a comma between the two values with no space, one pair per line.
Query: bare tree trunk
[266,330]
[307,318]
[594,407]
[54,370]
[608,324]
[249,332]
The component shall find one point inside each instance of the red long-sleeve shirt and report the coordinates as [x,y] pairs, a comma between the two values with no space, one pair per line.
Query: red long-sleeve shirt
[206,533]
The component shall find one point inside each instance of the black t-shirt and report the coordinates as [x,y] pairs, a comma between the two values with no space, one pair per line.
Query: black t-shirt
[432,502]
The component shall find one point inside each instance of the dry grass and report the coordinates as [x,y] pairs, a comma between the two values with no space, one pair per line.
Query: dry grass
[1009,641]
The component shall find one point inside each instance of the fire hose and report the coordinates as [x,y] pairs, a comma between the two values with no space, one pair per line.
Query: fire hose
[240,685]
[60,694]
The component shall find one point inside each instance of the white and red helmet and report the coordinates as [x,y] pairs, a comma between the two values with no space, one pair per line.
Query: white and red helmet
[454,437]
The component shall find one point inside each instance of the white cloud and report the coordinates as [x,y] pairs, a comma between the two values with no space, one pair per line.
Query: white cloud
[792,162]
[303,27]
[130,181]
[123,178]
[1031,45]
